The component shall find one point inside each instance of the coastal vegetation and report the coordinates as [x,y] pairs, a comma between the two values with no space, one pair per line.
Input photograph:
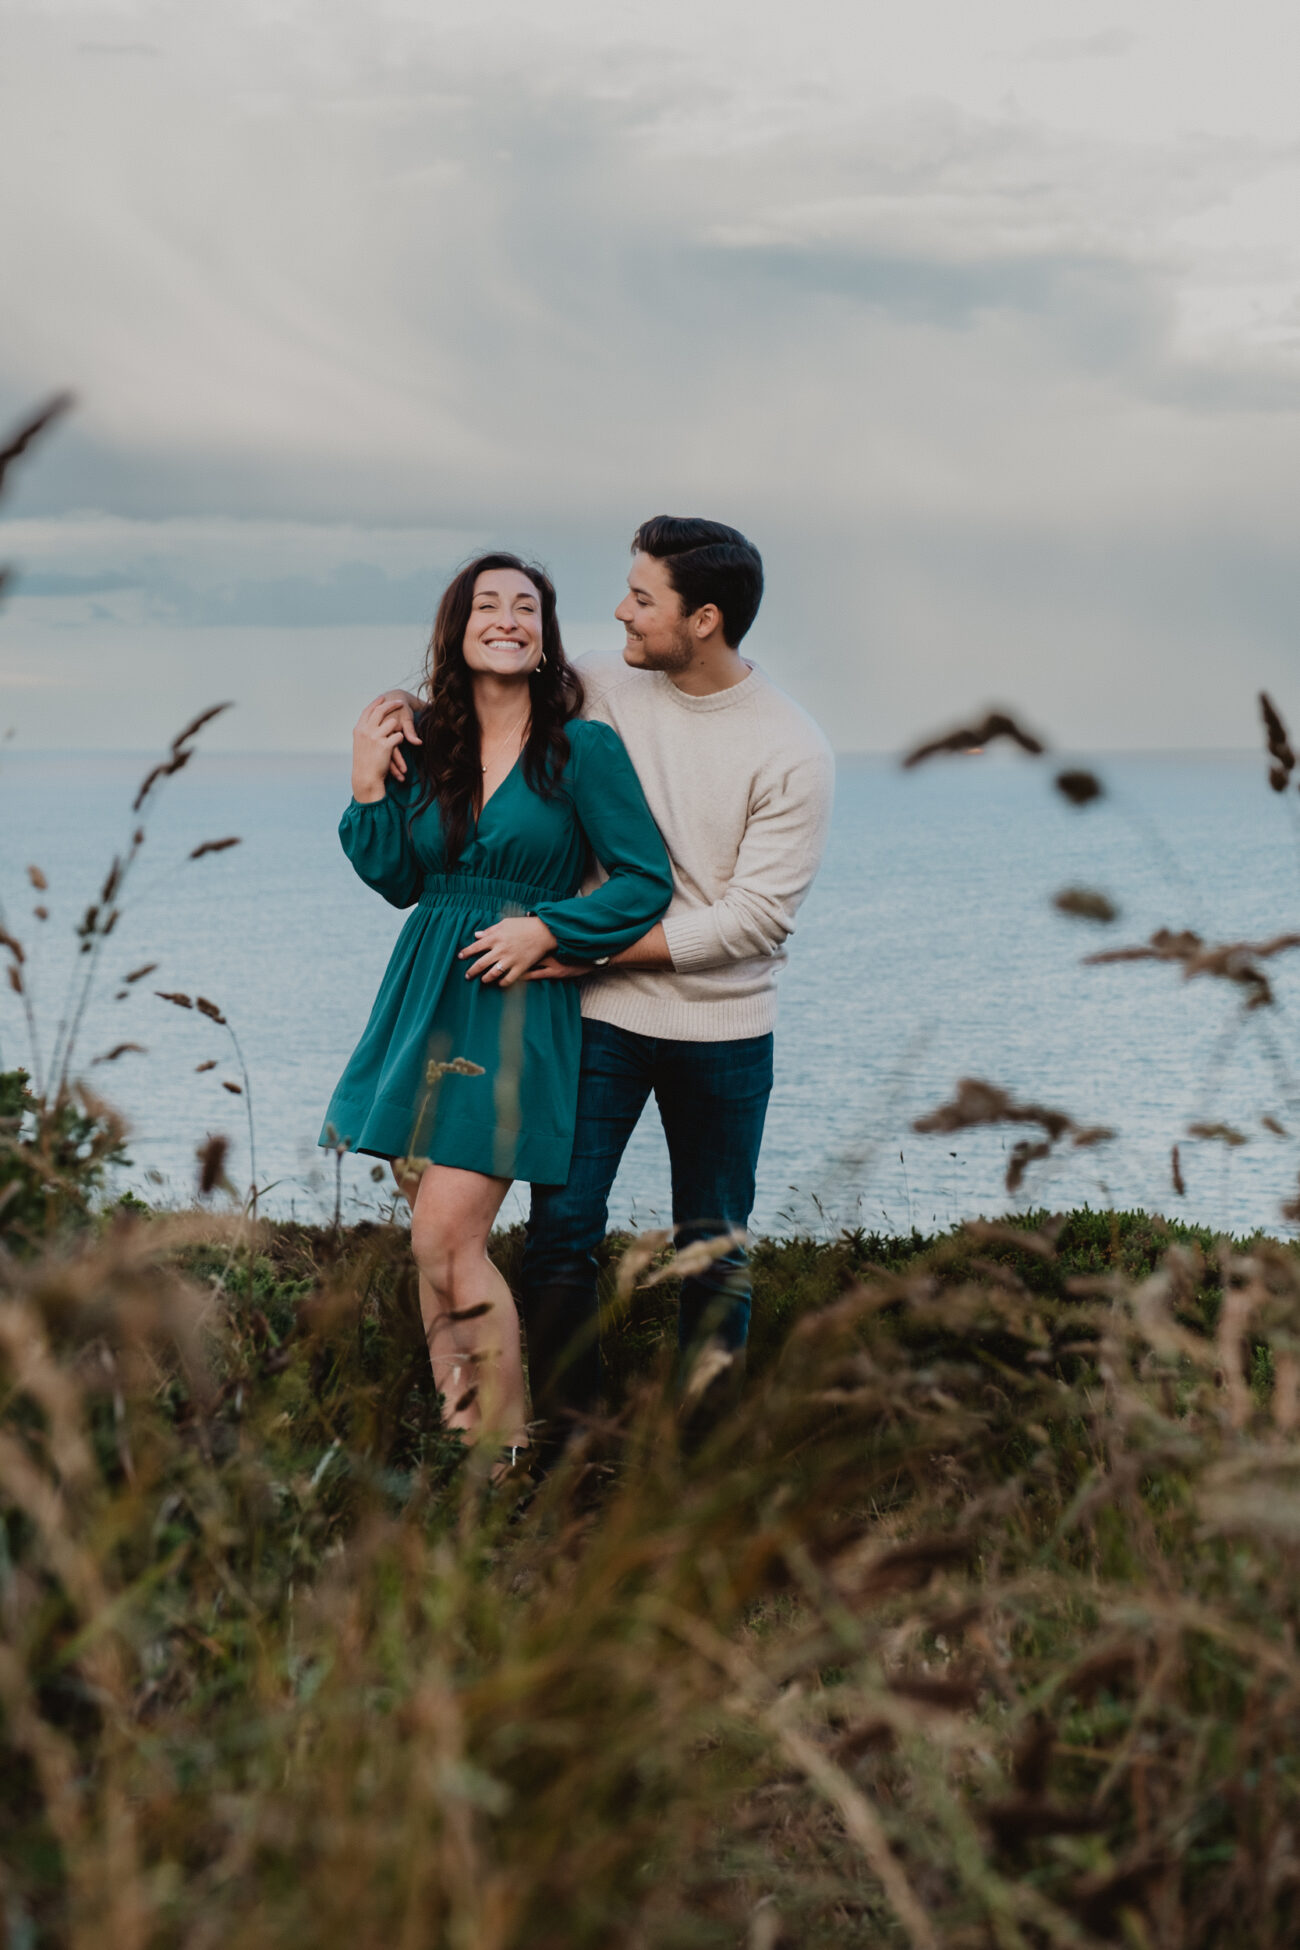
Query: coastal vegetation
[974,1623]
[971,1623]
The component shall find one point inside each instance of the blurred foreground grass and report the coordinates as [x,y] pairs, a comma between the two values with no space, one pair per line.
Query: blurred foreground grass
[975,1625]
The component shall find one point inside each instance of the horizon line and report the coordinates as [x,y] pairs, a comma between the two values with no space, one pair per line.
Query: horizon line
[149,752]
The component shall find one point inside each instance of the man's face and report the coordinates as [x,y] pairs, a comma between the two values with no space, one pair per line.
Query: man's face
[659,636]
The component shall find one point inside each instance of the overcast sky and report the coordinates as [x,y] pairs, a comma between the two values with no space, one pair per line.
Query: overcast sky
[981,317]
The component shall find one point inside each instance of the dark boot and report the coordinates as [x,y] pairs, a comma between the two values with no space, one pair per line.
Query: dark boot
[562,1331]
[711,1385]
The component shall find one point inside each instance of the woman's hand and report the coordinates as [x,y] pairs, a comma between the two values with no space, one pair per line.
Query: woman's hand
[508,949]
[377,734]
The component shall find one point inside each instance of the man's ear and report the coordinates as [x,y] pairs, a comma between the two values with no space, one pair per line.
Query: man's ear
[706,619]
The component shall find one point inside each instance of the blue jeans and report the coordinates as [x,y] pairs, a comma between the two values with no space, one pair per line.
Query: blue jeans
[712,1099]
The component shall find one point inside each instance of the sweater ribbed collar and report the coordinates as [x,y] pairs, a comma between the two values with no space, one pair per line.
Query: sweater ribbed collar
[714,700]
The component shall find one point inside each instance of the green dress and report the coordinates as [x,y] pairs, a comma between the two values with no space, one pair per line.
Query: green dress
[526,854]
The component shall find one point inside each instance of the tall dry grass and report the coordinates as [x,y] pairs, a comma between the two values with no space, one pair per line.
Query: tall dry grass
[972,1625]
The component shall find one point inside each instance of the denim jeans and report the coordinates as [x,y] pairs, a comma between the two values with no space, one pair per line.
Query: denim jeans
[712,1099]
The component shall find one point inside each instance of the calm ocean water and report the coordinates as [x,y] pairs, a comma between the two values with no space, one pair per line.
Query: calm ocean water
[928,950]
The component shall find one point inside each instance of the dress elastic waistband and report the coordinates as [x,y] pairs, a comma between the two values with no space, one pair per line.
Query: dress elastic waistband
[476,890]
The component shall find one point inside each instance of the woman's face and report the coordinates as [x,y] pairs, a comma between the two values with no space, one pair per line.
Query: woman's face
[504,634]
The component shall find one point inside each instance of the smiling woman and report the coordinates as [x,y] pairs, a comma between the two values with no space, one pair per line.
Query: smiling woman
[466,1076]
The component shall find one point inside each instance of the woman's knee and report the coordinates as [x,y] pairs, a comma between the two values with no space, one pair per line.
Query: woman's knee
[433,1244]
[445,1251]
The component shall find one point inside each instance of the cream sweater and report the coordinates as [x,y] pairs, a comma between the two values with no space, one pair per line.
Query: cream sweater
[740,785]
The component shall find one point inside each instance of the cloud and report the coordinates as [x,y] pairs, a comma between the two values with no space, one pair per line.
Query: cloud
[1107,44]
[344,303]
[227,574]
[147,48]
[96,584]
[351,592]
[543,320]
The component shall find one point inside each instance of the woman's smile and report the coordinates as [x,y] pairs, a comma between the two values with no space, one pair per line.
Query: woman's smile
[504,636]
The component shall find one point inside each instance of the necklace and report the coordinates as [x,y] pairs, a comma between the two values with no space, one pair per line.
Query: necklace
[512,733]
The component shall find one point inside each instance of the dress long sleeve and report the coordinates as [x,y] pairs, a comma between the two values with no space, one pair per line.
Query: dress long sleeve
[377,840]
[621,832]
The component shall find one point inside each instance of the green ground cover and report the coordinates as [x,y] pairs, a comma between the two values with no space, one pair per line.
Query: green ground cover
[974,1623]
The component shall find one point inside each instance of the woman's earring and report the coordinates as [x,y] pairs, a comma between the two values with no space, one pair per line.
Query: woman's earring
[541,662]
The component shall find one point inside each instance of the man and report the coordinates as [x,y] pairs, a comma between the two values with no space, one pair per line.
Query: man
[739,780]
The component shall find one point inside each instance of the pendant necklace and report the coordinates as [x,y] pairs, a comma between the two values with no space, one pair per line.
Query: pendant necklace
[483,765]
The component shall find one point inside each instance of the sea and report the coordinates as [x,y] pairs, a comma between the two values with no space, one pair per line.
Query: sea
[929,950]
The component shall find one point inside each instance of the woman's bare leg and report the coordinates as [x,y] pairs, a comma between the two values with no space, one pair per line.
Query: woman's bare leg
[454,1374]
[477,1362]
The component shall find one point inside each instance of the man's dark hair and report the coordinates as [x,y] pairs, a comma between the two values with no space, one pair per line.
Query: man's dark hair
[707,562]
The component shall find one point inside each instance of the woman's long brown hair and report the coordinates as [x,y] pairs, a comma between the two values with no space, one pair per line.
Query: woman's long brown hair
[448,760]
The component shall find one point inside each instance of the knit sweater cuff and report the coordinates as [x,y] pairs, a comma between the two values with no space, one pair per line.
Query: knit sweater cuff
[694,940]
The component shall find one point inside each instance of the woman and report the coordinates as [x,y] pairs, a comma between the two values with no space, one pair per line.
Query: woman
[466,1076]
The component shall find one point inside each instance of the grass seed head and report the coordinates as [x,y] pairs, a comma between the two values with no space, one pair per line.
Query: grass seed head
[120,1049]
[1079,787]
[212,1156]
[1086,904]
[977,1102]
[1279,745]
[17,443]
[975,737]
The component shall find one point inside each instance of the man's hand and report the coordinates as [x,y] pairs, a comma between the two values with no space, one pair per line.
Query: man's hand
[405,707]
[376,736]
[507,950]
[651,951]
[551,970]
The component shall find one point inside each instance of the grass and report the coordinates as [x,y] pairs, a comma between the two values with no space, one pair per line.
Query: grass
[973,1625]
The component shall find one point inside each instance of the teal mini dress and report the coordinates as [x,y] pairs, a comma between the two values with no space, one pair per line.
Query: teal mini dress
[508,1107]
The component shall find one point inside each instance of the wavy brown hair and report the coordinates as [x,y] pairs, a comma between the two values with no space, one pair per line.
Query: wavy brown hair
[448,760]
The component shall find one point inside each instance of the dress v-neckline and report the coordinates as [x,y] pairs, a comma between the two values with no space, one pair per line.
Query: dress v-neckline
[503,781]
